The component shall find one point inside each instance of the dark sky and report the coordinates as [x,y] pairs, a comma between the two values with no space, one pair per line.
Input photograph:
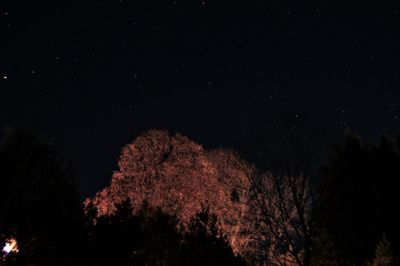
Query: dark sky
[92,75]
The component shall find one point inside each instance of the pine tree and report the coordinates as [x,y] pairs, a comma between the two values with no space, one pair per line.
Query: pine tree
[383,254]
[39,204]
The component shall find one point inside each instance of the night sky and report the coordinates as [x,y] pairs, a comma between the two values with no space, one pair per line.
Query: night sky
[90,76]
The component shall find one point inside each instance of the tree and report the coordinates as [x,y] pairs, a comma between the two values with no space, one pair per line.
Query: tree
[324,250]
[383,254]
[161,237]
[39,205]
[151,237]
[360,195]
[147,237]
[205,243]
[112,238]
[179,176]
[282,211]
[283,191]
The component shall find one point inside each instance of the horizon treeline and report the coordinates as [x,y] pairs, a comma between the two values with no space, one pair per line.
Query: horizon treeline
[343,212]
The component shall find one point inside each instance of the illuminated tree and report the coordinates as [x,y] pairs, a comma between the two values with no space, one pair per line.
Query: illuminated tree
[180,177]
[266,215]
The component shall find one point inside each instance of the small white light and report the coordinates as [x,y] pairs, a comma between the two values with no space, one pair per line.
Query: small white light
[10,246]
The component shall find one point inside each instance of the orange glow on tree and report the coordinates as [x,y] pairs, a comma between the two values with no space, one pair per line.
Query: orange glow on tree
[182,178]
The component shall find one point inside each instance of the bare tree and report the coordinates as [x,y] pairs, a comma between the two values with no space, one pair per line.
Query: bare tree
[282,196]
[281,212]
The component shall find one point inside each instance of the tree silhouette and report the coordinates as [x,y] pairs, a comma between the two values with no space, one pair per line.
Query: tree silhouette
[205,243]
[149,237]
[39,206]
[360,195]
[383,254]
[295,218]
[283,190]
[161,237]
[112,238]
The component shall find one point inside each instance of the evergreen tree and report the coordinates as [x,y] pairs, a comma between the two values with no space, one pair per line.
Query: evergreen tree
[205,244]
[360,197]
[39,205]
[149,237]
[383,254]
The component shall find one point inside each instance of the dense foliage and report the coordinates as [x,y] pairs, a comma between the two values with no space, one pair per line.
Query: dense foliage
[347,216]
[181,177]
[39,205]
[41,212]
[360,198]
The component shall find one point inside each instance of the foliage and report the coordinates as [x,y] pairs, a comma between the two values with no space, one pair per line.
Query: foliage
[205,243]
[148,238]
[39,205]
[324,250]
[360,195]
[151,237]
[180,176]
[277,217]
[383,254]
